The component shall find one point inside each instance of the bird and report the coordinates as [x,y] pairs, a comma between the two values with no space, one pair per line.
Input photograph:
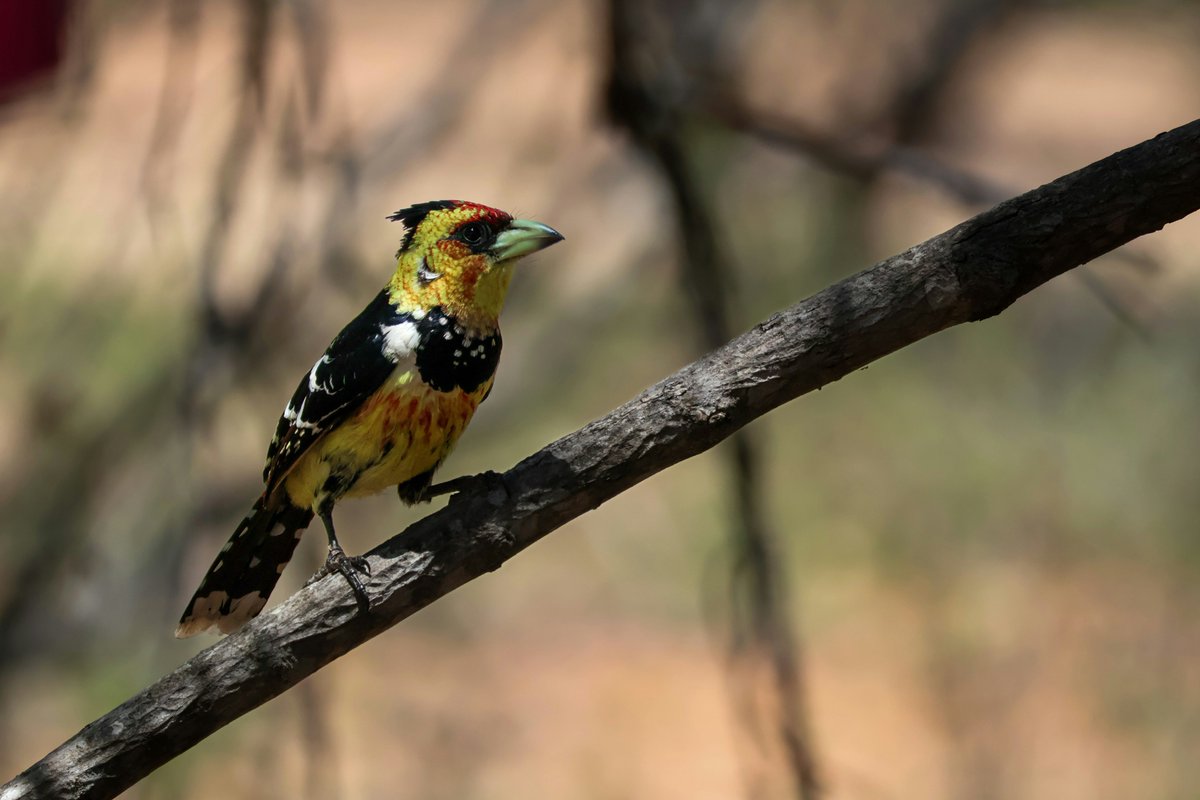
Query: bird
[383,406]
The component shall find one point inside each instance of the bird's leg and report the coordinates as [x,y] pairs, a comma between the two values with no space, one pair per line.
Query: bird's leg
[348,566]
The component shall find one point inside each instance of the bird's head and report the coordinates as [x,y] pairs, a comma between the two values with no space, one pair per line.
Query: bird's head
[459,256]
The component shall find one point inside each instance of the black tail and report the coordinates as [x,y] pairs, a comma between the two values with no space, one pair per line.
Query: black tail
[246,570]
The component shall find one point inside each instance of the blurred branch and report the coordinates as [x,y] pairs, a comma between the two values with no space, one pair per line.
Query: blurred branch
[217,326]
[864,158]
[867,158]
[313,34]
[760,627]
[912,103]
[407,137]
[968,273]
[495,27]
[257,22]
[174,101]
[319,743]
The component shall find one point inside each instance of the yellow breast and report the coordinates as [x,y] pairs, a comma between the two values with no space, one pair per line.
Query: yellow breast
[403,430]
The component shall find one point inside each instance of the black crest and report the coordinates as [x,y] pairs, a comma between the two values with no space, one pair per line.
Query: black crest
[414,215]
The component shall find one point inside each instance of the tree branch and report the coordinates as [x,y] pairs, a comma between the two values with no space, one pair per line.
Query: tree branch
[971,272]
[760,633]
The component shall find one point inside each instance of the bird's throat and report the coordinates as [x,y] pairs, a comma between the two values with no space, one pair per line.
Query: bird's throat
[472,292]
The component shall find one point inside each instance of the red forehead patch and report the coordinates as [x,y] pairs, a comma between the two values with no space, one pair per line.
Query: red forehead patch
[485,213]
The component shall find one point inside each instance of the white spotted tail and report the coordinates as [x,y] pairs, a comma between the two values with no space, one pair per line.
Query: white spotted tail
[241,578]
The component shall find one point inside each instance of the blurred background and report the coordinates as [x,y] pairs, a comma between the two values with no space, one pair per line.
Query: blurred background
[969,571]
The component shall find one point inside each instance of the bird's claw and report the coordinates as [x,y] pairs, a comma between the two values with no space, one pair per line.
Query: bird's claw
[350,567]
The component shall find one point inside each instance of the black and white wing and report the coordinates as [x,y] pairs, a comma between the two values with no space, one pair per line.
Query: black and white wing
[357,363]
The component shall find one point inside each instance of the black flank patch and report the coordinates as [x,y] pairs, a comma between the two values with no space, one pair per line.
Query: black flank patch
[412,491]
[450,356]
[337,483]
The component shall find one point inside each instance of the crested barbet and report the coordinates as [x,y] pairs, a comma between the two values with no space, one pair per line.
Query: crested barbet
[383,406]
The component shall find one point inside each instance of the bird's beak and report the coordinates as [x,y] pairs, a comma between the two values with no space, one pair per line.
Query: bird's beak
[522,237]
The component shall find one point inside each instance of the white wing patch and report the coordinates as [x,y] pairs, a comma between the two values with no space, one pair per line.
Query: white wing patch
[296,415]
[313,384]
[400,340]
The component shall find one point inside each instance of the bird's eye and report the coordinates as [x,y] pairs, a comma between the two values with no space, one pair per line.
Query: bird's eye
[473,233]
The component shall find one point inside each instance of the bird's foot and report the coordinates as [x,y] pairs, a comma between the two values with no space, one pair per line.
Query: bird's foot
[459,484]
[489,481]
[350,567]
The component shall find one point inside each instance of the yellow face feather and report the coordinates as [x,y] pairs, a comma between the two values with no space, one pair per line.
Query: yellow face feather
[446,263]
